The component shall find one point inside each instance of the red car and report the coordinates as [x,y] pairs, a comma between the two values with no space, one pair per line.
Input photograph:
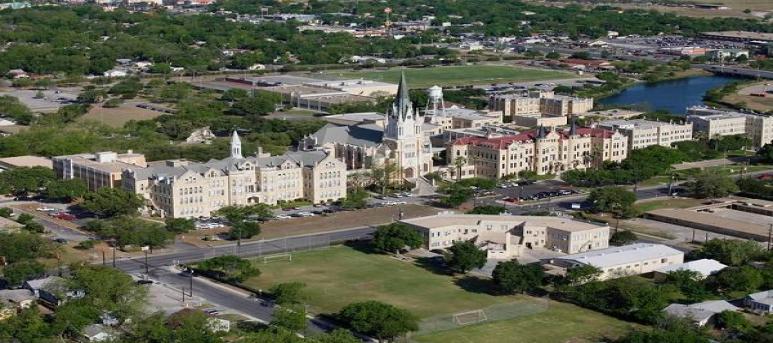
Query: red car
[65,216]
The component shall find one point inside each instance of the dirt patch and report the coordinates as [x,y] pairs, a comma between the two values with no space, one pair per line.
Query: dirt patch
[118,116]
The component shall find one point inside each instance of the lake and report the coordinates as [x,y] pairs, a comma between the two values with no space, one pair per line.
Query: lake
[673,95]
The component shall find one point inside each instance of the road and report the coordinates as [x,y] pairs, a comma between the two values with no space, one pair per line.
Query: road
[226,297]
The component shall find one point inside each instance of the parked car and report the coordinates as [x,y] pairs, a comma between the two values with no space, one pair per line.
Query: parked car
[282,216]
[65,216]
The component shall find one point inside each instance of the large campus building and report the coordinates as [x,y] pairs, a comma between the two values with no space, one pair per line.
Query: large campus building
[187,189]
[538,103]
[644,133]
[504,236]
[400,141]
[614,262]
[540,151]
[712,123]
[102,169]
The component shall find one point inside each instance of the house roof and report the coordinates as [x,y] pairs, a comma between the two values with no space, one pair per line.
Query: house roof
[765,297]
[699,311]
[44,282]
[705,267]
[622,255]
[16,295]
[362,135]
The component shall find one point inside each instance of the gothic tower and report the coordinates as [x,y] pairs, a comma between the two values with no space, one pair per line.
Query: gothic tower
[236,146]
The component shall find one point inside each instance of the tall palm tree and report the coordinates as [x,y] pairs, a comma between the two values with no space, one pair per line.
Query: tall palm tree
[459,162]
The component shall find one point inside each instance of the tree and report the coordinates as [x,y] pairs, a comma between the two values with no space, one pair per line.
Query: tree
[488,209]
[382,175]
[24,218]
[513,277]
[20,246]
[623,237]
[383,321]
[617,200]
[465,256]
[244,230]
[459,163]
[292,318]
[190,325]
[581,274]
[288,293]
[552,55]
[16,273]
[733,321]
[766,153]
[711,185]
[355,199]
[732,252]
[744,279]
[66,190]
[260,103]
[456,194]
[690,284]
[228,268]
[179,225]
[34,227]
[396,237]
[21,181]
[107,290]
[111,202]
[336,336]
[672,330]
[6,212]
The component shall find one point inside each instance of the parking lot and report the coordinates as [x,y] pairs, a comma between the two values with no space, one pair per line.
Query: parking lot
[514,192]
[51,101]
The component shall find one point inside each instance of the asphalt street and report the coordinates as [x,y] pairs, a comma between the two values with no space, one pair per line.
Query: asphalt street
[225,297]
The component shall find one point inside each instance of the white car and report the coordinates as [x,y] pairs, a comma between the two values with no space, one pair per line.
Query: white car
[282,216]
[305,214]
[46,209]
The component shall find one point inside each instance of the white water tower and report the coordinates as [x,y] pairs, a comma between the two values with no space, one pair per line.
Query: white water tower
[435,100]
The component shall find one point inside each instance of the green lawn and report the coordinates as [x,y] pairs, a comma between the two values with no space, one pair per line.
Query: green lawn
[341,275]
[456,75]
[560,323]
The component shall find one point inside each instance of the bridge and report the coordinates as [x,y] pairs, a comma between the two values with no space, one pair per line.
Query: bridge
[737,71]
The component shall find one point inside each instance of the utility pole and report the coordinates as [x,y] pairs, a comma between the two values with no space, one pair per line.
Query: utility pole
[113,256]
[104,262]
[190,279]
[183,290]
[770,235]
[146,262]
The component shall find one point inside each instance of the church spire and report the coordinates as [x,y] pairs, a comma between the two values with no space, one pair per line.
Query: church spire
[403,100]
[236,146]
[573,128]
[541,133]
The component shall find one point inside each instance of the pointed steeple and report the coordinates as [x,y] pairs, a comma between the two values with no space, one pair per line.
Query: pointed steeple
[541,133]
[236,146]
[403,99]
[573,128]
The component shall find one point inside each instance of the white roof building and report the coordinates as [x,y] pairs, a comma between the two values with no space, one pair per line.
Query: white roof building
[704,267]
[760,302]
[633,259]
[699,313]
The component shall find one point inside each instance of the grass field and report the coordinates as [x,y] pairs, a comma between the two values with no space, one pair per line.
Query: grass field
[456,75]
[561,323]
[340,275]
[118,116]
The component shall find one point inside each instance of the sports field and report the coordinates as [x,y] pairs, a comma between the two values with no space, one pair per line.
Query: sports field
[456,75]
[340,275]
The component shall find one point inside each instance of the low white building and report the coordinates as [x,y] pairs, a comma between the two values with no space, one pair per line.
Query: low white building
[713,122]
[700,313]
[704,267]
[614,262]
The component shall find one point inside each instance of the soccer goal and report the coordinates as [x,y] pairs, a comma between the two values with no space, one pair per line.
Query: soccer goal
[278,257]
[470,317]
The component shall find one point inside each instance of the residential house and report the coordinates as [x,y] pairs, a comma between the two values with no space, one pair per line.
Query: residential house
[760,302]
[700,314]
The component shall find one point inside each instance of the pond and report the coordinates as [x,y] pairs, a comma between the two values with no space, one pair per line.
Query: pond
[672,95]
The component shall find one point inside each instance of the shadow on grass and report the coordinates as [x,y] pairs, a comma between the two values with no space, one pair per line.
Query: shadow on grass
[364,247]
[476,285]
[251,326]
[435,265]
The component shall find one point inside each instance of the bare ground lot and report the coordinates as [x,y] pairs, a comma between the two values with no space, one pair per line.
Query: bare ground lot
[760,104]
[118,116]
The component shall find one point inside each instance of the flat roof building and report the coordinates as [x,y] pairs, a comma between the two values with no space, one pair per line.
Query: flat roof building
[704,267]
[503,236]
[643,133]
[25,161]
[102,169]
[615,262]
[713,122]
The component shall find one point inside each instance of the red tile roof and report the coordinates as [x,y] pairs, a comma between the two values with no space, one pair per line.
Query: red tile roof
[529,136]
